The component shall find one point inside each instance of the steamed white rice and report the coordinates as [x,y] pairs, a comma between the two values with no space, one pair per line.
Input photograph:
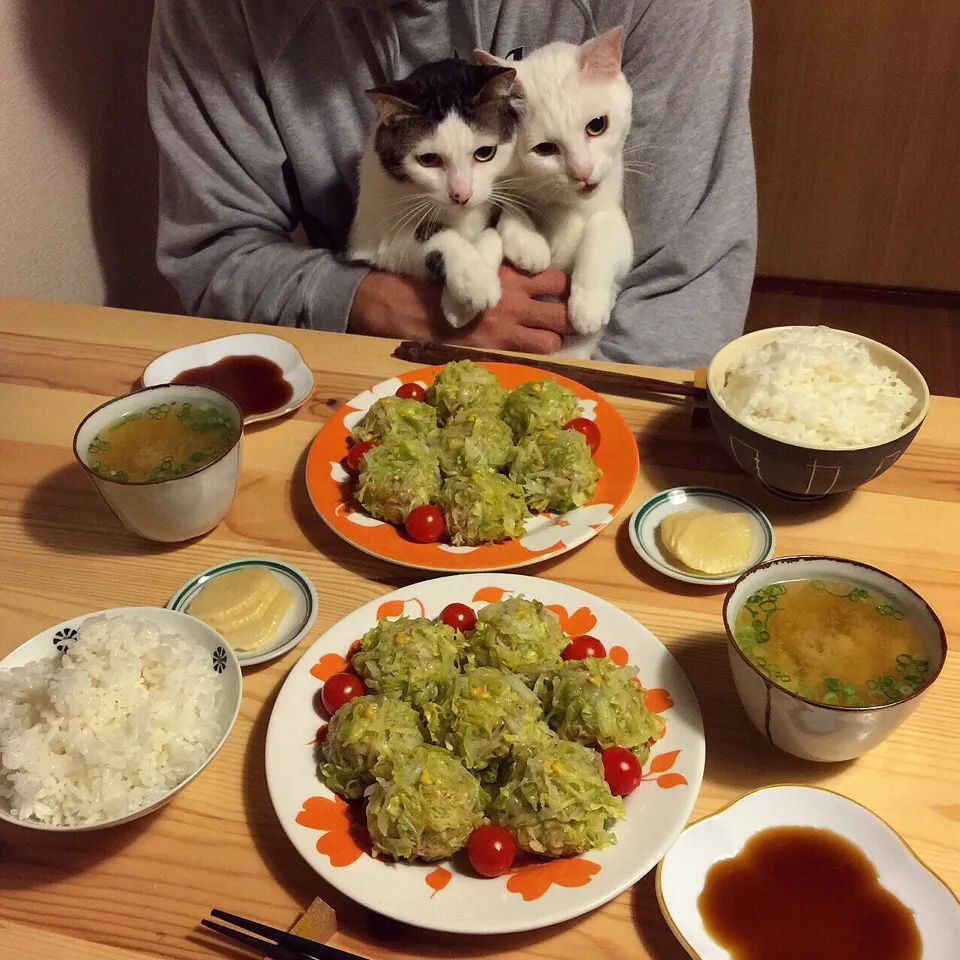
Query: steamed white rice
[817,386]
[127,713]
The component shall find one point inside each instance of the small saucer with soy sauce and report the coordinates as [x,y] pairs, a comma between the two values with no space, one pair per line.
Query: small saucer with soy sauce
[809,868]
[265,375]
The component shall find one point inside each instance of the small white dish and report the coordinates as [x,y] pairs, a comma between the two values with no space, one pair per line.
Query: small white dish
[285,355]
[645,522]
[223,664]
[294,626]
[682,872]
[167,511]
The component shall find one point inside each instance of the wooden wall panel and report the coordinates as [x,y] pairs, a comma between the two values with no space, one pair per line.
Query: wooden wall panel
[856,111]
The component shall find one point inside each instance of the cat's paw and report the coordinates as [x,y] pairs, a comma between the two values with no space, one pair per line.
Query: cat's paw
[526,250]
[454,312]
[474,285]
[589,307]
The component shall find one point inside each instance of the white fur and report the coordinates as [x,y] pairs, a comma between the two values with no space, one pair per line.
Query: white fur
[389,212]
[585,234]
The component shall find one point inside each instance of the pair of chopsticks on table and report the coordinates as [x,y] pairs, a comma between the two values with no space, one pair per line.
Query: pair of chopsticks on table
[271,942]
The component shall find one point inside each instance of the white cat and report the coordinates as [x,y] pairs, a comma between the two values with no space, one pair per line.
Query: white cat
[446,135]
[567,176]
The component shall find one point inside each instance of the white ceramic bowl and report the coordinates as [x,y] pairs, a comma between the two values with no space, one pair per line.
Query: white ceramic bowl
[223,664]
[804,472]
[172,510]
[682,872]
[806,728]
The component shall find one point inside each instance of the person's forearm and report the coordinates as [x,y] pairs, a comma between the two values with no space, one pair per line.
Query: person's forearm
[262,278]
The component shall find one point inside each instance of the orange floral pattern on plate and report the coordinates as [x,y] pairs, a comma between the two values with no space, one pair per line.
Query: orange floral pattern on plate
[437,879]
[344,840]
[657,700]
[661,763]
[489,595]
[327,666]
[619,656]
[533,881]
[617,457]
[574,624]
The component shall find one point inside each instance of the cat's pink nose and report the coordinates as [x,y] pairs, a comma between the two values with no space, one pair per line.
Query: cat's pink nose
[461,195]
[581,173]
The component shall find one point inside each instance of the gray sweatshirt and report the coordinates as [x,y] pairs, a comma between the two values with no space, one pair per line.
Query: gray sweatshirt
[259,110]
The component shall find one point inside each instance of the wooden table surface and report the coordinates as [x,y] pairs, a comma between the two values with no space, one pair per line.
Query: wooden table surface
[138,890]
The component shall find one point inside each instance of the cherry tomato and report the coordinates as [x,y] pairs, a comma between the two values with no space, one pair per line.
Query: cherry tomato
[340,688]
[491,850]
[412,391]
[579,648]
[621,770]
[426,524]
[352,460]
[590,431]
[459,616]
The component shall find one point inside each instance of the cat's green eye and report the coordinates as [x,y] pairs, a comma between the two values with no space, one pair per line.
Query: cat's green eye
[484,154]
[546,149]
[596,126]
[429,160]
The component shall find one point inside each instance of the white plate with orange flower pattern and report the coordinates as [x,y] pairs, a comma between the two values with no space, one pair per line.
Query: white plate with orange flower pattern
[546,535]
[449,896]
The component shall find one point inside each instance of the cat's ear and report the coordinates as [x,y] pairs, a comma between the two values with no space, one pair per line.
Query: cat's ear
[489,60]
[501,82]
[389,106]
[600,57]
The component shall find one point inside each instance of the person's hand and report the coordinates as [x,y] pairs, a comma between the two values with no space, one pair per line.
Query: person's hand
[390,305]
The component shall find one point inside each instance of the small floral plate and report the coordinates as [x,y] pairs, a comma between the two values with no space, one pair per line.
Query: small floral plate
[547,535]
[223,664]
[449,896]
[682,873]
[284,354]
[644,528]
[294,626]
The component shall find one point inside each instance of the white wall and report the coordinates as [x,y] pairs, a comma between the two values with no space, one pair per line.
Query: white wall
[77,160]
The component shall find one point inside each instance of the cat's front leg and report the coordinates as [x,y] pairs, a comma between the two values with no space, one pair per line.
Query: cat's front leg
[470,279]
[602,261]
[523,244]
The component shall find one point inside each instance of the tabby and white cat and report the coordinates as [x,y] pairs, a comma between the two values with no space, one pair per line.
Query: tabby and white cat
[567,176]
[446,136]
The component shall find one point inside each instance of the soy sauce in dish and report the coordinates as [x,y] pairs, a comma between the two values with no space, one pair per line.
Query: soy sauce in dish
[805,893]
[256,384]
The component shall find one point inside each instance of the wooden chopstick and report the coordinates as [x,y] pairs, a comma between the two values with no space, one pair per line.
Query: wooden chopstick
[603,381]
[292,946]
[263,947]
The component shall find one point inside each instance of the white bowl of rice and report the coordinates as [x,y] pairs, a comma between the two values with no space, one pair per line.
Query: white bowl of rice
[812,411]
[105,717]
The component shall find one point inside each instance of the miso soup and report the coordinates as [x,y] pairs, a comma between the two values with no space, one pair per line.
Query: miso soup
[161,442]
[832,641]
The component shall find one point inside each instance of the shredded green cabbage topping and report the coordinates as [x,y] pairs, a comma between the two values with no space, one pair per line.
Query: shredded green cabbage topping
[428,807]
[537,405]
[555,800]
[518,635]
[555,469]
[395,416]
[412,660]
[483,508]
[395,477]
[474,441]
[362,739]
[485,712]
[598,704]
[464,385]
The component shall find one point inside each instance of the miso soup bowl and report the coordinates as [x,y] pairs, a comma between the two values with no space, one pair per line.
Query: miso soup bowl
[802,472]
[806,728]
[177,509]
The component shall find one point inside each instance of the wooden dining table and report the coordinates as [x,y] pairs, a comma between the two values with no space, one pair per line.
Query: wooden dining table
[138,890]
